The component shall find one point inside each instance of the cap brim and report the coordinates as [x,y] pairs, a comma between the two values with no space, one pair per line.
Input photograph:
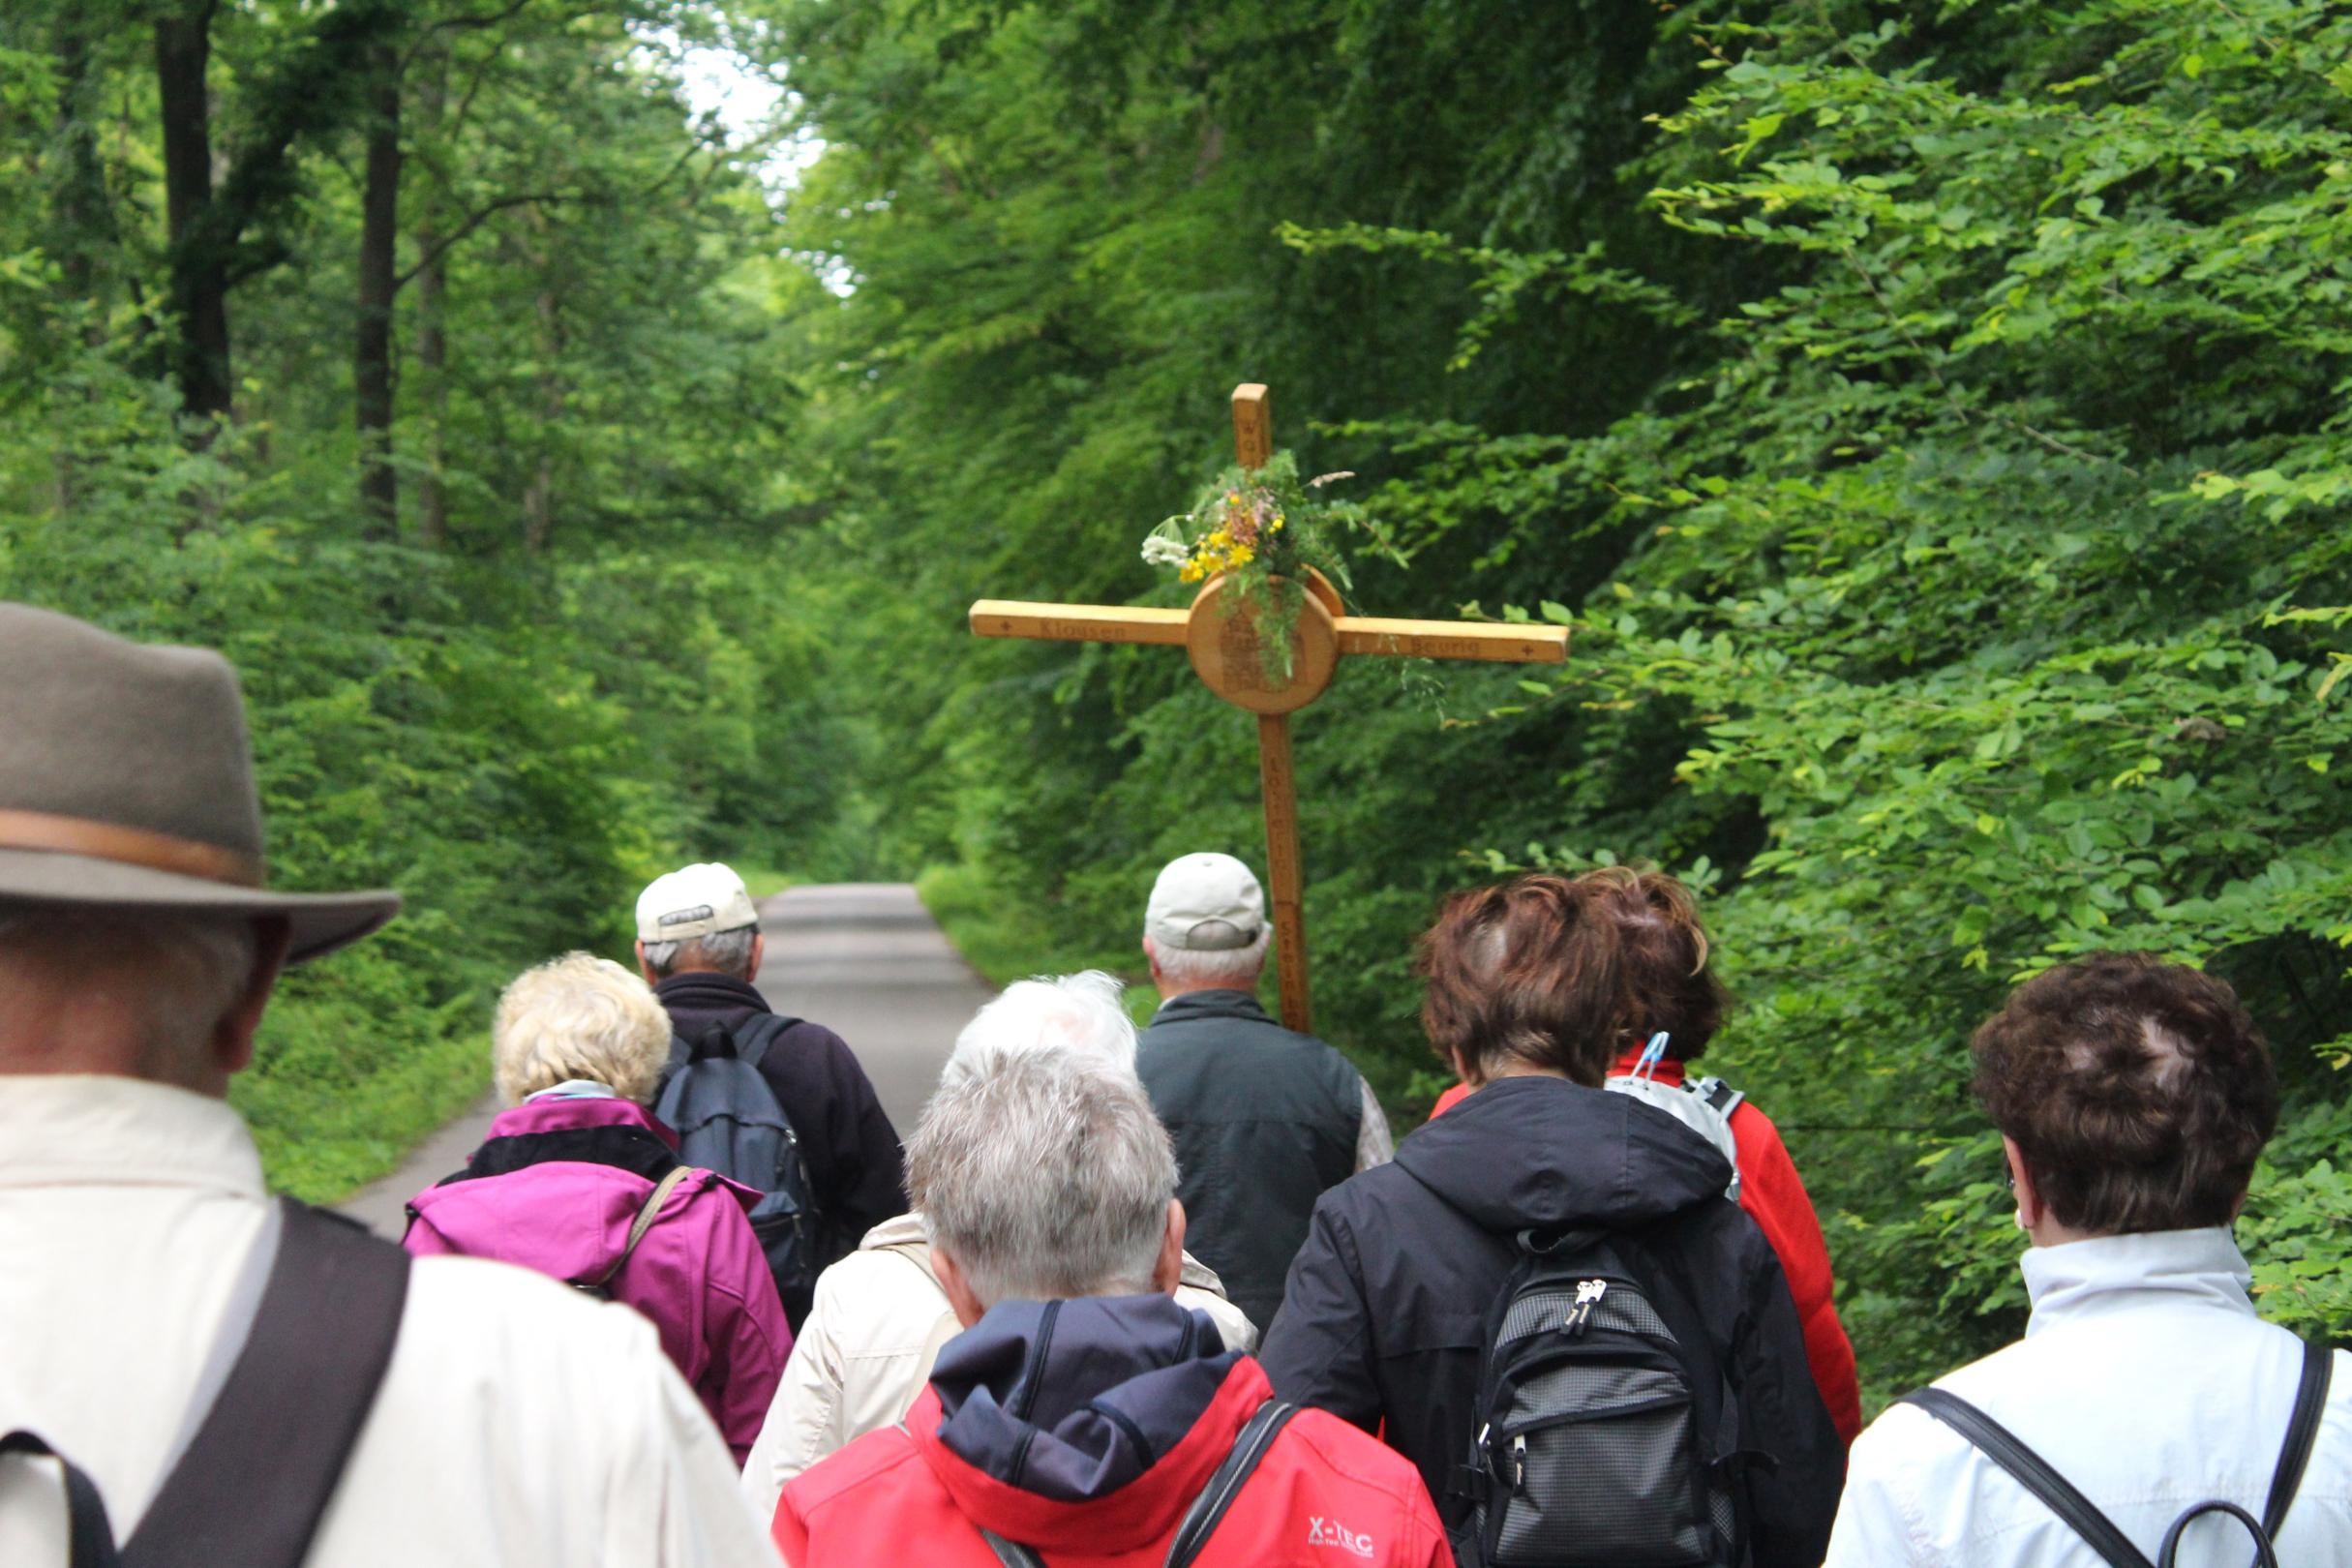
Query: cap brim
[321,922]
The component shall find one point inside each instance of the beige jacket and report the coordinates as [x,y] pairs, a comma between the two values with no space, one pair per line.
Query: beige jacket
[520,1424]
[865,1352]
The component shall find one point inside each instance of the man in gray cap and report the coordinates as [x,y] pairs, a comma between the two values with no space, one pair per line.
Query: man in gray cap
[1265,1120]
[206,1373]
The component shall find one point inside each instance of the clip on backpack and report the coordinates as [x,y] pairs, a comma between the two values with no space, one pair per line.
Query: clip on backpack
[1207,1510]
[728,1120]
[646,1212]
[1597,1426]
[1704,1105]
[2082,1515]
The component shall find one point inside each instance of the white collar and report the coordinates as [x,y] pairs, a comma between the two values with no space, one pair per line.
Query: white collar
[87,1129]
[2105,1274]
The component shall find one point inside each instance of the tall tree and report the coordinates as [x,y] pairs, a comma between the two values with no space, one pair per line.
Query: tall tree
[305,90]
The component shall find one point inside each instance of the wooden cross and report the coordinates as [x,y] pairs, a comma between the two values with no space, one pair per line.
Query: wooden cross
[1225,652]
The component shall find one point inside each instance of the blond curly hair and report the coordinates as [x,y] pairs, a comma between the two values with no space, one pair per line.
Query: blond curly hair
[578,1017]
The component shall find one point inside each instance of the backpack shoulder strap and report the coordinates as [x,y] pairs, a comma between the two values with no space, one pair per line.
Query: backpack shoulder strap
[89,1534]
[646,1212]
[2031,1472]
[1718,1095]
[1012,1554]
[751,1045]
[257,1475]
[1209,1509]
[2302,1430]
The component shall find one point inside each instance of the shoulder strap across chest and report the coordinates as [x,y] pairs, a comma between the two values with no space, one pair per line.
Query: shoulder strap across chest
[2083,1517]
[1208,1509]
[257,1477]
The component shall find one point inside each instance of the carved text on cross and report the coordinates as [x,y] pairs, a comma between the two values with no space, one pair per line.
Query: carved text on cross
[1228,663]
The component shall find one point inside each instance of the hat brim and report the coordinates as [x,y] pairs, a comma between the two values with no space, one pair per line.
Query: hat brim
[320,922]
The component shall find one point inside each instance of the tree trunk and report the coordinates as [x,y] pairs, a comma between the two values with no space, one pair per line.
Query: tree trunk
[539,501]
[81,216]
[432,330]
[372,337]
[433,359]
[198,342]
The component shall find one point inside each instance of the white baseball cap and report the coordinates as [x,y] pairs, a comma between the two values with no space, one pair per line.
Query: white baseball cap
[696,901]
[1205,903]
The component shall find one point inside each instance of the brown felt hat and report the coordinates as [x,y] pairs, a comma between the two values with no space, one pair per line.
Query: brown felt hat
[126,782]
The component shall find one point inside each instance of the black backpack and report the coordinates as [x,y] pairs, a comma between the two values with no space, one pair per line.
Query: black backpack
[727,1119]
[2082,1515]
[1597,1431]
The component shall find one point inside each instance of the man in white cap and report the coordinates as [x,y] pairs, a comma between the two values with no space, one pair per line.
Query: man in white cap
[699,944]
[1265,1119]
[196,1369]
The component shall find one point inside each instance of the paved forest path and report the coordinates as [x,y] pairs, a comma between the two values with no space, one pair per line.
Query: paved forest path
[865,959]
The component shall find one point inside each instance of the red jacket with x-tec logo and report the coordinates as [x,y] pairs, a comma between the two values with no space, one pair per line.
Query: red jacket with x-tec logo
[1084,1430]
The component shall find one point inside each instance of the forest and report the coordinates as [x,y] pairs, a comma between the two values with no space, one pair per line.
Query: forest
[1932,423]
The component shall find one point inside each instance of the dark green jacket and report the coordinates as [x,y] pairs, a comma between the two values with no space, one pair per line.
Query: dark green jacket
[1264,1121]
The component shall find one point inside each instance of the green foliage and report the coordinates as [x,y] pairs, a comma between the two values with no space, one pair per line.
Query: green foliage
[514,725]
[1931,428]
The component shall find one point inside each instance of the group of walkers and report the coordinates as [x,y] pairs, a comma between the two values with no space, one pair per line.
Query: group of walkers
[1172,1298]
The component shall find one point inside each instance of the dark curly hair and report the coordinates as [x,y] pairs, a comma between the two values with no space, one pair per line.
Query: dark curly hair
[1567,973]
[2138,1092]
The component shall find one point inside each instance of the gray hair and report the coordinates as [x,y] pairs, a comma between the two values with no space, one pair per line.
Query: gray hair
[1081,1013]
[578,1017]
[1044,1175]
[727,951]
[166,976]
[1220,966]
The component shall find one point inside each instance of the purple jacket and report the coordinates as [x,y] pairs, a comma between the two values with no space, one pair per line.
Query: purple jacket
[554,1188]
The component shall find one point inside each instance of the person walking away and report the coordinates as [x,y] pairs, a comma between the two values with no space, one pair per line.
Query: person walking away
[2133,1097]
[1770,1189]
[1265,1120]
[865,1355]
[233,1379]
[1579,1242]
[1083,1415]
[578,1182]
[699,946]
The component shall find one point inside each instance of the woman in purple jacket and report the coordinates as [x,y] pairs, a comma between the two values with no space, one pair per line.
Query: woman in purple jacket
[577,1180]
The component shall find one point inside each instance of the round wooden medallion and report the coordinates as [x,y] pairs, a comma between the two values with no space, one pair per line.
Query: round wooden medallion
[1222,641]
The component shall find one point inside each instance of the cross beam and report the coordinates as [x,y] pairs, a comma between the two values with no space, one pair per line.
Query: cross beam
[1235,674]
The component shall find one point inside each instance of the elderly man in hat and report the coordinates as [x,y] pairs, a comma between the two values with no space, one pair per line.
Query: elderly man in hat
[203,1373]
[698,944]
[1264,1119]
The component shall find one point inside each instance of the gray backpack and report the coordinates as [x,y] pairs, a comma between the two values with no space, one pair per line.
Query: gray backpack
[727,1119]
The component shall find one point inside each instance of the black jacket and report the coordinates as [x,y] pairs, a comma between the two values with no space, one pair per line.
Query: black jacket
[1264,1121]
[1385,1309]
[855,1167]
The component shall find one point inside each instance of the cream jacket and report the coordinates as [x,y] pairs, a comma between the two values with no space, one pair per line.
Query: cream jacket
[865,1352]
[520,1425]
[2145,1379]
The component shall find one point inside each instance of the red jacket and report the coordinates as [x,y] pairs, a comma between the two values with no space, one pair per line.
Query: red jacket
[1326,1496]
[1774,1196]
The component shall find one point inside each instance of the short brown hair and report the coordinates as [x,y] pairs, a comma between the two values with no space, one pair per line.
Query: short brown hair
[2138,1092]
[1567,973]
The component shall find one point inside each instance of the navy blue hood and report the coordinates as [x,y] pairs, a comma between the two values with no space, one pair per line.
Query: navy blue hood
[1546,1154]
[1072,1400]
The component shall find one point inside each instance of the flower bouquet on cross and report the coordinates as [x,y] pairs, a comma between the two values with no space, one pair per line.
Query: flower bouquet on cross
[1271,536]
